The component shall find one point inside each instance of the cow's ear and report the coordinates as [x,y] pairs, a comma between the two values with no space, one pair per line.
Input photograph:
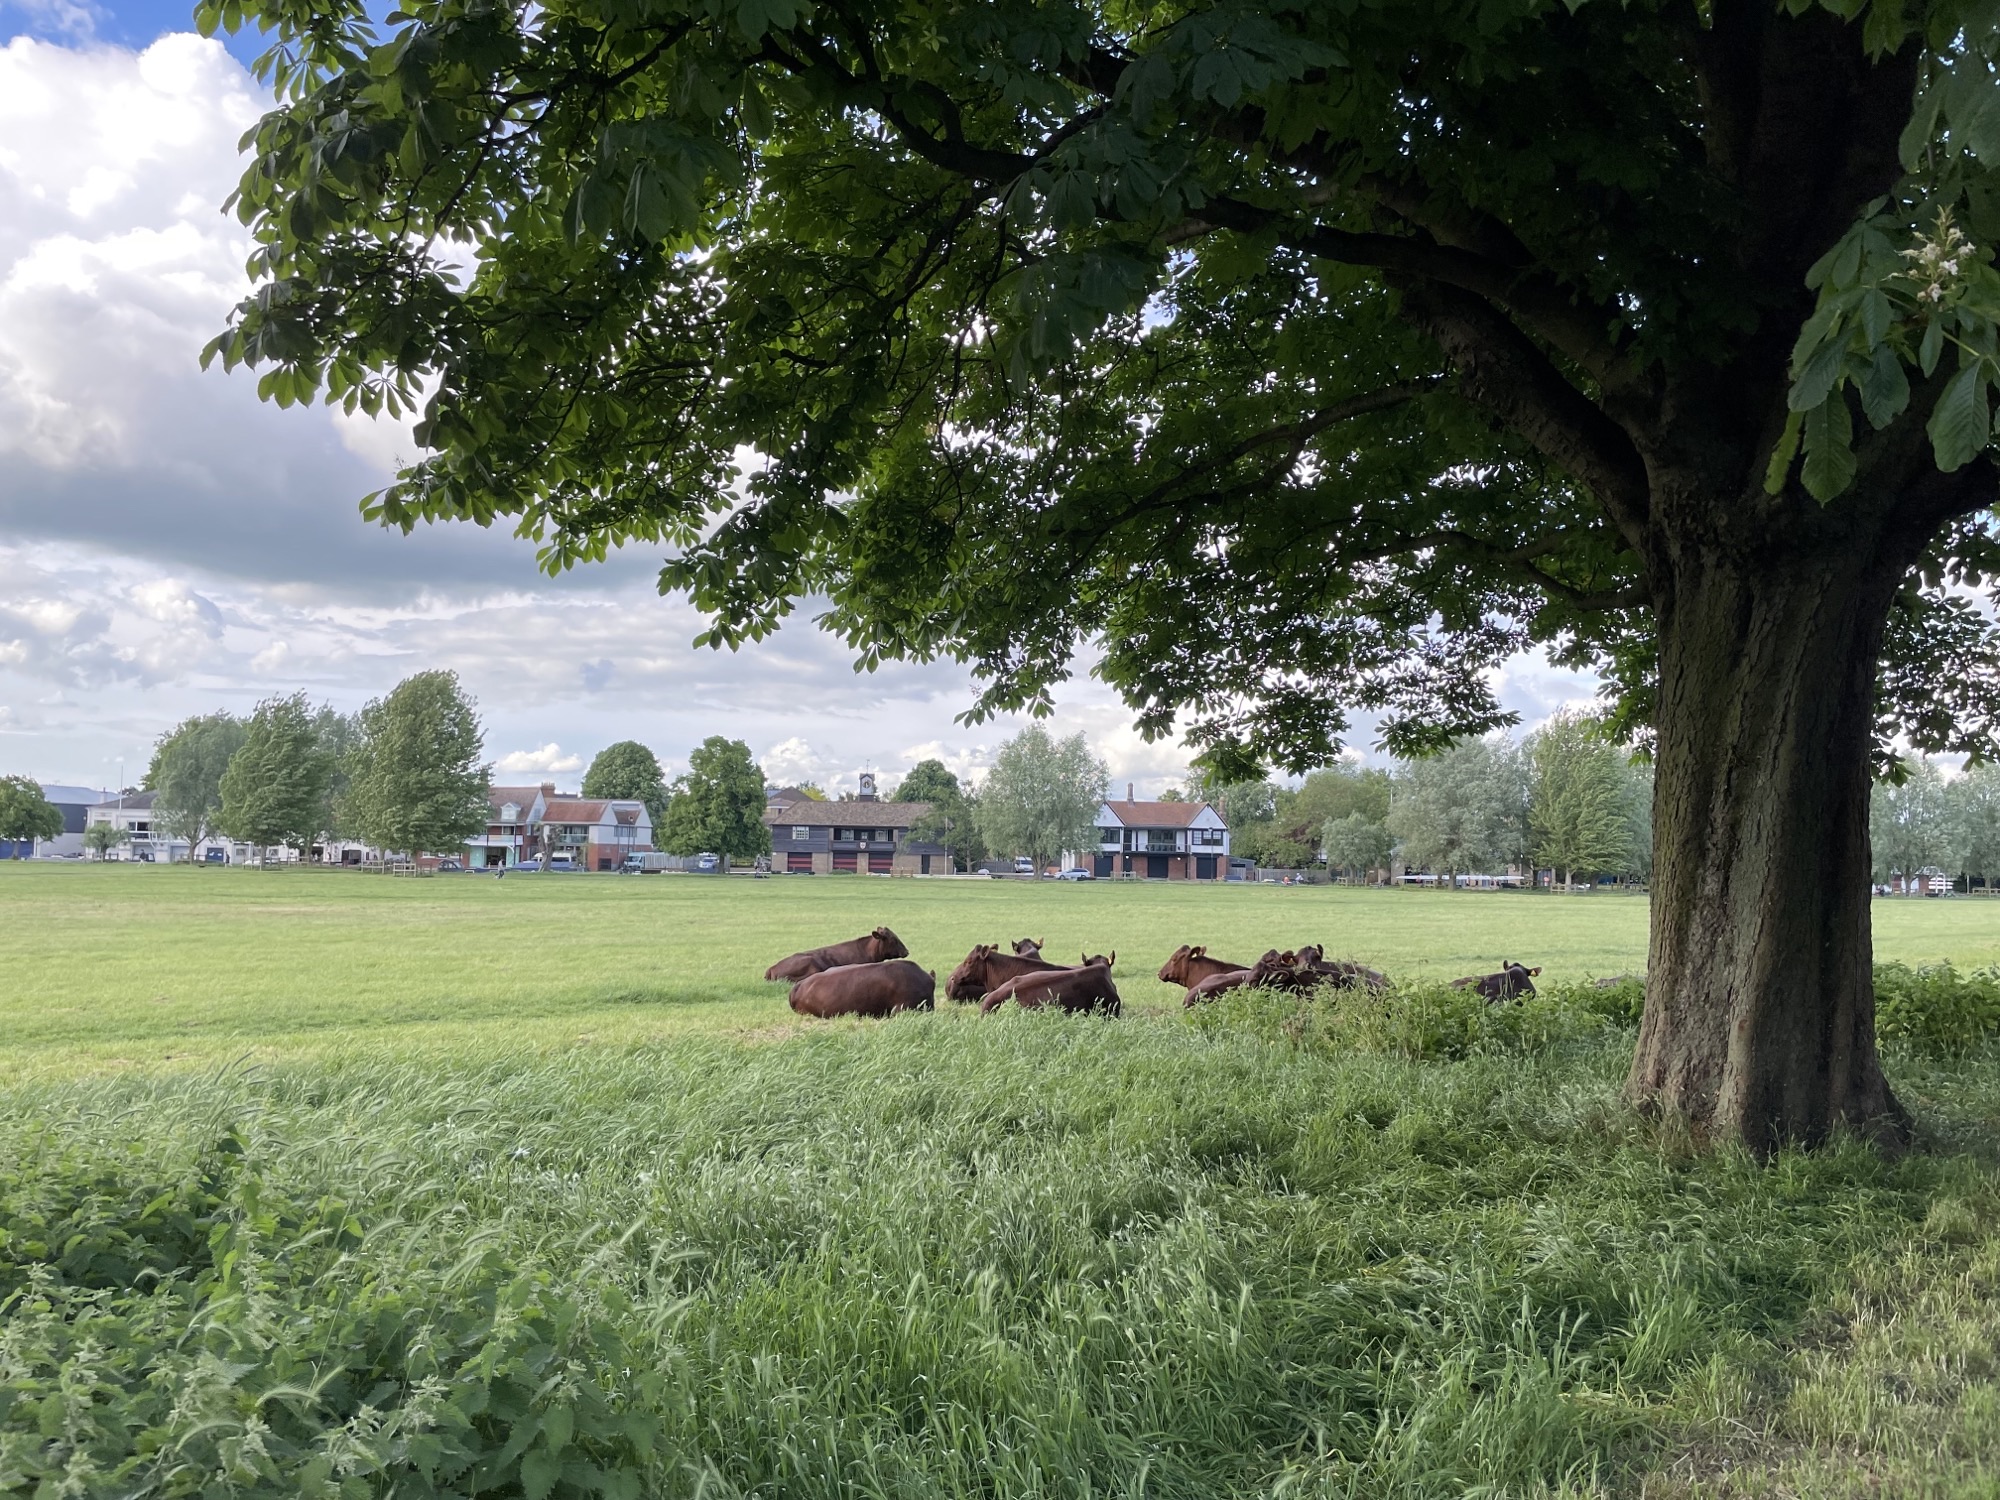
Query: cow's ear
[1536,970]
[1114,958]
[1197,952]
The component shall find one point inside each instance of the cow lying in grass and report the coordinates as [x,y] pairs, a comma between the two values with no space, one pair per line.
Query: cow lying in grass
[877,947]
[1190,966]
[1295,973]
[1339,972]
[1077,991]
[986,967]
[1511,983]
[1028,947]
[870,989]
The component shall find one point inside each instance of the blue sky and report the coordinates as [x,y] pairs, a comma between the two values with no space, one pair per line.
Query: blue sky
[129,23]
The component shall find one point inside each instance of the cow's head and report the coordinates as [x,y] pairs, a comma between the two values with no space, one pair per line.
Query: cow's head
[1174,970]
[888,945]
[968,980]
[1028,947]
[1312,953]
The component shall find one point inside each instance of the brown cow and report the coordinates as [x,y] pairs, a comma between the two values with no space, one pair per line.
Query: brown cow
[1190,966]
[1511,983]
[1339,972]
[874,989]
[1028,947]
[1216,984]
[1076,991]
[986,966]
[1105,959]
[877,947]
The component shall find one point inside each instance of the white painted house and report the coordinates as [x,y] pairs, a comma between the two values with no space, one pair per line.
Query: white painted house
[1159,841]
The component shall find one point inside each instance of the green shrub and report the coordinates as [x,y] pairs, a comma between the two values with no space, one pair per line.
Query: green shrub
[212,1337]
[1934,1008]
[1433,1022]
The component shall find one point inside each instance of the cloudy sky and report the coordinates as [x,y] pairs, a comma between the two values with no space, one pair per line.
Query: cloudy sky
[169,545]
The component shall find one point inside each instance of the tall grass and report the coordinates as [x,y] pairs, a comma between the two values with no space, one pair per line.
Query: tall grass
[1025,1256]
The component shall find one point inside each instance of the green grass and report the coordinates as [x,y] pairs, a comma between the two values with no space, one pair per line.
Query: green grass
[399,1173]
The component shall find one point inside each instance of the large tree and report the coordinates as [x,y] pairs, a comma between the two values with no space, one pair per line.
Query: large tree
[338,734]
[274,790]
[416,784]
[952,821]
[25,814]
[186,773]
[1041,797]
[630,771]
[1910,825]
[717,807]
[1308,357]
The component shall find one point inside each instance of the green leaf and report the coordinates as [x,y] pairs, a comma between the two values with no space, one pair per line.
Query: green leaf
[539,1472]
[1961,426]
[1931,347]
[557,1426]
[1815,379]
[1829,444]
[1787,449]
[1885,389]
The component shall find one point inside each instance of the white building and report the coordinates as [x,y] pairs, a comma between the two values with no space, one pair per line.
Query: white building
[1158,841]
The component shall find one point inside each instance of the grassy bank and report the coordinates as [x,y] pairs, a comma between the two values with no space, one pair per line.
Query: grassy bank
[139,965]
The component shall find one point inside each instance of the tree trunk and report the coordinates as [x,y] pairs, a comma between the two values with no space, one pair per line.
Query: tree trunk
[1760,1005]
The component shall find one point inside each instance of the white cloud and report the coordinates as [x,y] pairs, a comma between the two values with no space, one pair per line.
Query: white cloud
[549,757]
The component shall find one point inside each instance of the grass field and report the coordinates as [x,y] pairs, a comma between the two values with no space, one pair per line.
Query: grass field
[334,1184]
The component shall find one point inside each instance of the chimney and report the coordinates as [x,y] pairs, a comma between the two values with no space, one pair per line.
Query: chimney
[548,789]
[1128,793]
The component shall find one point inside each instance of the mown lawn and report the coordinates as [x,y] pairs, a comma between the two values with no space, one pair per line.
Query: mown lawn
[342,1185]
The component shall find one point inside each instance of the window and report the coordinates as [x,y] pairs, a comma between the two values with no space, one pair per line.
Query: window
[1108,837]
[1159,840]
[844,835]
[1208,836]
[800,833]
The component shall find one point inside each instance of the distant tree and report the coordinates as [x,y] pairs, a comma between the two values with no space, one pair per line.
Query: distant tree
[1462,810]
[101,838]
[1334,793]
[1248,807]
[1042,796]
[717,807]
[1579,812]
[416,783]
[274,790]
[1638,786]
[927,781]
[629,771]
[953,819]
[186,775]
[1173,794]
[338,735]
[1909,822]
[812,791]
[25,814]
[1356,844]
[1974,803]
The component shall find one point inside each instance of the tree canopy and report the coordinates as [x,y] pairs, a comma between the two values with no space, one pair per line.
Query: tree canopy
[274,789]
[1579,810]
[1306,358]
[1041,797]
[25,814]
[186,775]
[1462,811]
[416,781]
[717,807]
[629,770]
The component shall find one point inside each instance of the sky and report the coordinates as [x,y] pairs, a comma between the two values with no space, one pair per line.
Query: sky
[170,545]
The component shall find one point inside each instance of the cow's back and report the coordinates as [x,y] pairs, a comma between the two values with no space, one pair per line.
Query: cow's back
[865,989]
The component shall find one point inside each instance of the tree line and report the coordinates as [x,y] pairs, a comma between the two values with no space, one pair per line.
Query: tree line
[1923,822]
[1567,798]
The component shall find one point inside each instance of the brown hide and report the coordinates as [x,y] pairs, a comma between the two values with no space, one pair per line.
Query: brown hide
[876,947]
[1074,990]
[986,967]
[1340,973]
[871,989]
[1511,983]
[1216,984]
[1190,966]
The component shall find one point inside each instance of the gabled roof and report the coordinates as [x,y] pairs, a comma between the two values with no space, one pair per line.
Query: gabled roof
[1160,814]
[811,814]
[574,810]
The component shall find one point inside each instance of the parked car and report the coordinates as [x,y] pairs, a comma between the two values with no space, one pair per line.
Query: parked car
[563,862]
[1023,865]
[708,864]
[451,866]
[1079,873]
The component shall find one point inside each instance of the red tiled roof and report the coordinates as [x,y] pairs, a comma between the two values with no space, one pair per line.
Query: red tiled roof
[574,810]
[847,814]
[1156,814]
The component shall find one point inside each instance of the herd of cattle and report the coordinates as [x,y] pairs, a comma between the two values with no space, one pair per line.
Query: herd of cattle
[872,976]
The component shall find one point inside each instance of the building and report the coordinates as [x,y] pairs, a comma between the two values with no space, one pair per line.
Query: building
[529,821]
[1160,841]
[133,812]
[74,803]
[864,836]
